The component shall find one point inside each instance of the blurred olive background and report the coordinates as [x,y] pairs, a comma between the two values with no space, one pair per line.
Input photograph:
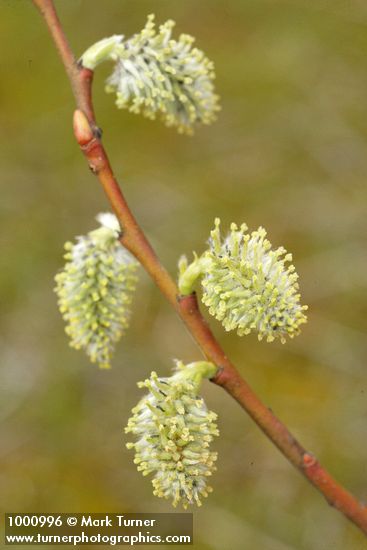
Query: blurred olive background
[289,152]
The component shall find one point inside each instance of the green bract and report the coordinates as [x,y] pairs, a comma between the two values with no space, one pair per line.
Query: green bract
[158,76]
[247,285]
[174,429]
[95,289]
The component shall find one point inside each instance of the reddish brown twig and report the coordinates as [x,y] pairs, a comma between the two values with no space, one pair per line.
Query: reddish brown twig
[133,238]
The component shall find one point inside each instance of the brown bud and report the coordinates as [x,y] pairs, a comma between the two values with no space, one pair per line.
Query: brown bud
[82,129]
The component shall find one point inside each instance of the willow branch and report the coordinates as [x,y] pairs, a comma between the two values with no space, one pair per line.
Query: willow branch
[134,239]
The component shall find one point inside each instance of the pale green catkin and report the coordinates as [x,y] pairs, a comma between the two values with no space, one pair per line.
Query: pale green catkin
[174,430]
[158,76]
[246,284]
[95,289]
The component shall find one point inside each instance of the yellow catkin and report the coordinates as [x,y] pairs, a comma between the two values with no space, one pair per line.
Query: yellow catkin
[174,430]
[247,285]
[95,289]
[158,76]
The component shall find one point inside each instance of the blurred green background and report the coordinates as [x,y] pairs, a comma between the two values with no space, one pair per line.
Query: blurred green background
[289,152]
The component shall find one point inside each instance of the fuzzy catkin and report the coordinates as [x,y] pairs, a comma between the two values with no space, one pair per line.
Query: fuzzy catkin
[95,290]
[158,76]
[174,430]
[247,285]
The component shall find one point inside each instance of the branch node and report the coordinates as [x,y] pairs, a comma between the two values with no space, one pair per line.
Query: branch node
[308,460]
[98,132]
[93,169]
[219,372]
